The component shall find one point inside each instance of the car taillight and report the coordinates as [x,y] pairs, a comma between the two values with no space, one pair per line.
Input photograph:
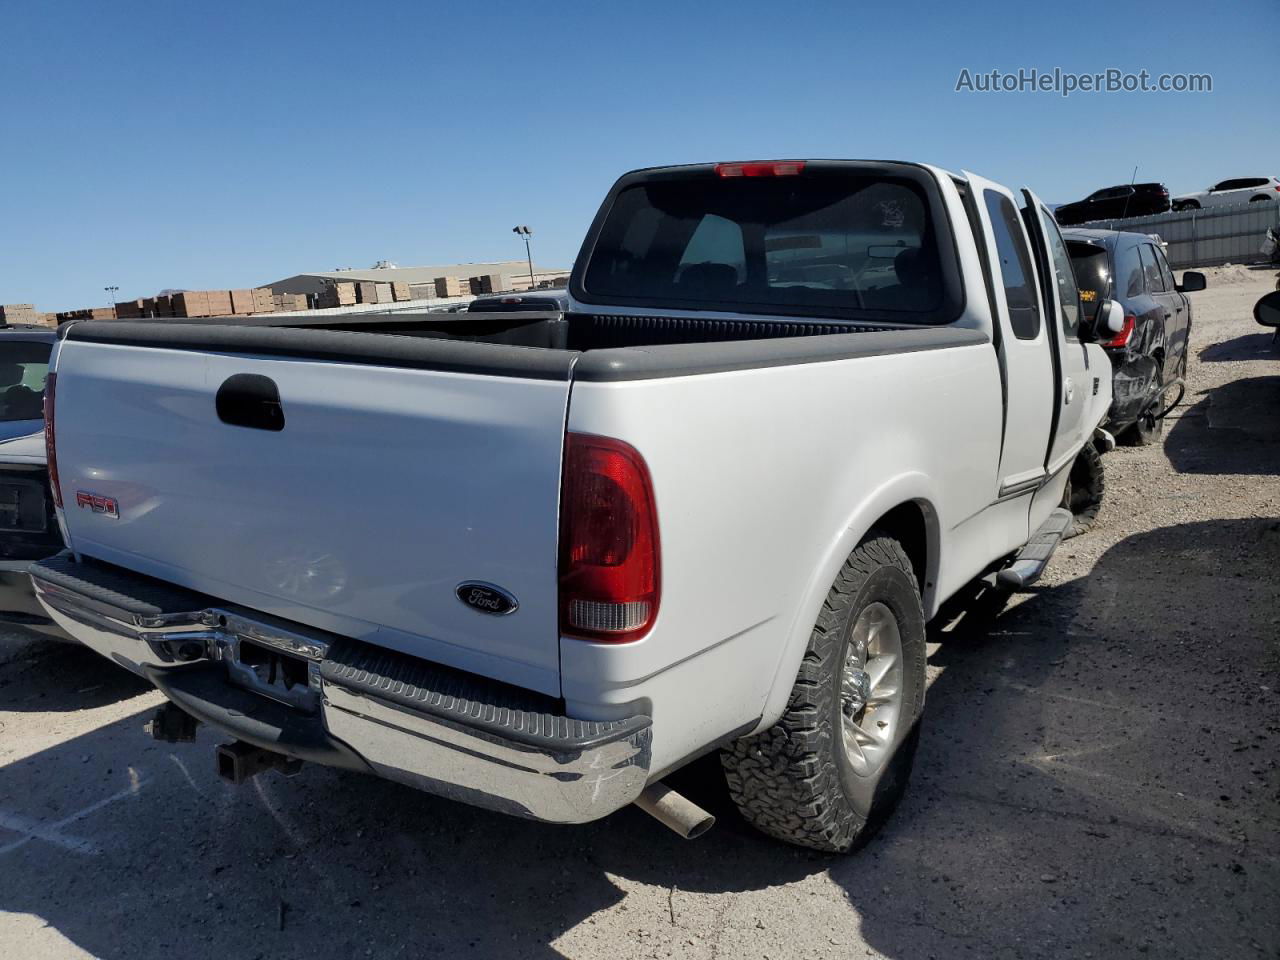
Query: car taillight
[50,447]
[781,168]
[1122,338]
[609,554]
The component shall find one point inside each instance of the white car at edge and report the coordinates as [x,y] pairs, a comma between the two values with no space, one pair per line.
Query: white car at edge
[1237,190]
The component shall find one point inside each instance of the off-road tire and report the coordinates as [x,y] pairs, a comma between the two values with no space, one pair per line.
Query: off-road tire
[794,781]
[1086,488]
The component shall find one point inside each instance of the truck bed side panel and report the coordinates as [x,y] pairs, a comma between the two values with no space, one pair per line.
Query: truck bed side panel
[763,476]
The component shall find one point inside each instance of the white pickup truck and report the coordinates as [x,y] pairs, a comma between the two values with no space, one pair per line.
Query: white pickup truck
[538,561]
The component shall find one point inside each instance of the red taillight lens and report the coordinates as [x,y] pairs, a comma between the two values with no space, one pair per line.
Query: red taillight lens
[1122,338]
[609,569]
[50,446]
[782,168]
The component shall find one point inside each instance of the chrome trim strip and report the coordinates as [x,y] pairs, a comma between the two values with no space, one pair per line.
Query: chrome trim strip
[1016,485]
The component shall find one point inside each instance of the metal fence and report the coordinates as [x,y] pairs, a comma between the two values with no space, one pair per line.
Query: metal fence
[1206,238]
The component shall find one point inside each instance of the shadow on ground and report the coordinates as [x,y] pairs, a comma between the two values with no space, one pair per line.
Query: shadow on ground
[54,675]
[1232,429]
[1097,775]
[1251,346]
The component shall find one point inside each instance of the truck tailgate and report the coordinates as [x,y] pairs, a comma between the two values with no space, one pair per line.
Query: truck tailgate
[389,483]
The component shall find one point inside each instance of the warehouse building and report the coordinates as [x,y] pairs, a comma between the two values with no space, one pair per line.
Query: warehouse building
[447,280]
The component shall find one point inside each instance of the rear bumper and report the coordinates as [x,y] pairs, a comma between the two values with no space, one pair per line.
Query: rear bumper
[360,706]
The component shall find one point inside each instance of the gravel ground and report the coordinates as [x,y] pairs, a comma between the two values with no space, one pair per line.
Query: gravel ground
[1098,777]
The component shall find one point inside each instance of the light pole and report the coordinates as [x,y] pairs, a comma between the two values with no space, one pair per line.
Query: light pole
[526,233]
[111,300]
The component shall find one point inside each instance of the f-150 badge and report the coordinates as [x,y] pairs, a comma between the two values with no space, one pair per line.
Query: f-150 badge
[486,598]
[107,506]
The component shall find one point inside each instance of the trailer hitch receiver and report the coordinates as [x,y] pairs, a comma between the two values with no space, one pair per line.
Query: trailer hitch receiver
[240,761]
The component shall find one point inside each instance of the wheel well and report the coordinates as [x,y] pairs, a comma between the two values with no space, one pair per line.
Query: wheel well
[906,523]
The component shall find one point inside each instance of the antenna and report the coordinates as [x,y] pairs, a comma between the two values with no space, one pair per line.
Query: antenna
[1130,194]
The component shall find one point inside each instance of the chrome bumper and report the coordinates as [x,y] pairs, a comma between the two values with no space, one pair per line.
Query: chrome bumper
[351,704]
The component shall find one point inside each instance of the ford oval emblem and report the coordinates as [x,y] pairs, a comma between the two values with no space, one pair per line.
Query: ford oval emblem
[486,598]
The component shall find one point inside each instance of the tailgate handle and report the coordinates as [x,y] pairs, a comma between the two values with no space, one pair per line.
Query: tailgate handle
[250,400]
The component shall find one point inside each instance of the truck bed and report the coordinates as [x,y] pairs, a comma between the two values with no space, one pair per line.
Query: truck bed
[601,345]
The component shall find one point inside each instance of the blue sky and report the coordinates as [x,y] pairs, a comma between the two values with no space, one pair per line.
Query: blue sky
[176,144]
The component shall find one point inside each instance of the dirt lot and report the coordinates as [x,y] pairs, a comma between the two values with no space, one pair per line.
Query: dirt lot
[1098,777]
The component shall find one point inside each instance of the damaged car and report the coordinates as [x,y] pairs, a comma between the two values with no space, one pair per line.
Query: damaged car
[28,527]
[1149,354]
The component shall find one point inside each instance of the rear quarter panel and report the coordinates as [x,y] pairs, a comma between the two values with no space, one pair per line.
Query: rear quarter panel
[765,479]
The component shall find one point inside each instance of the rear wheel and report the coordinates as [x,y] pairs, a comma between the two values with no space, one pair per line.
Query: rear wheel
[1086,487]
[832,769]
[1146,431]
[1150,426]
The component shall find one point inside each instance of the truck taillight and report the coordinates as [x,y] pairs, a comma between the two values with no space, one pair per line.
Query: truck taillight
[1122,338]
[609,553]
[50,447]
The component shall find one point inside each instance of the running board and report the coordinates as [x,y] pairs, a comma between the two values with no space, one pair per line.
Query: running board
[1034,557]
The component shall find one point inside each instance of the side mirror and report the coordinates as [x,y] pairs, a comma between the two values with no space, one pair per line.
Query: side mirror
[1267,310]
[1192,280]
[1111,318]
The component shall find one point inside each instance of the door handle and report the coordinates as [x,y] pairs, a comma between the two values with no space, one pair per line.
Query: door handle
[1068,390]
[1168,315]
[250,400]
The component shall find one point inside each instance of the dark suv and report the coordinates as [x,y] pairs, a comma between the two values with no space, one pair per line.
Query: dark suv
[1114,203]
[1149,356]
[28,527]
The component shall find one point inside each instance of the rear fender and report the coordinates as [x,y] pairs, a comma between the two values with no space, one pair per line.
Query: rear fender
[914,488]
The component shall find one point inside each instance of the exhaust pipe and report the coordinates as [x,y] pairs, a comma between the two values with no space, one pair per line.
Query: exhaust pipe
[675,811]
[240,761]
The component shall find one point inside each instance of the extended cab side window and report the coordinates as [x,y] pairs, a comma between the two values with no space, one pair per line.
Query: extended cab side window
[1068,293]
[1155,283]
[1015,266]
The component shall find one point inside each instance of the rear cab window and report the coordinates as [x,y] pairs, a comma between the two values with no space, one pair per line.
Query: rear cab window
[857,241]
[24,366]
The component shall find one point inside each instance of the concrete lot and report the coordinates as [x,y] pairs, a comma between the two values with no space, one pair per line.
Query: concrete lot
[1098,777]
